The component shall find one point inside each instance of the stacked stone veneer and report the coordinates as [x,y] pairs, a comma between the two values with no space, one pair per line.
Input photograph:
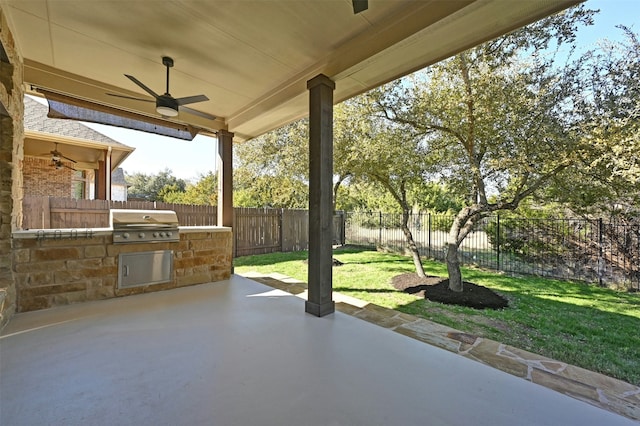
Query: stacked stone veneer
[67,267]
[11,154]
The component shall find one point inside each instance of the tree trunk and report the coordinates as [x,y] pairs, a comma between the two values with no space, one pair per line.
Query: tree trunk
[453,242]
[413,248]
[401,197]
[336,187]
[453,267]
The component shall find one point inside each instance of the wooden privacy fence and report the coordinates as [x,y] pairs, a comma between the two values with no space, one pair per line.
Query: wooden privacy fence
[256,230]
[55,213]
[260,231]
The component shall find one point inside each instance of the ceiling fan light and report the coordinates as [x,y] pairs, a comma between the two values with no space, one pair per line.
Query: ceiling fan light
[166,111]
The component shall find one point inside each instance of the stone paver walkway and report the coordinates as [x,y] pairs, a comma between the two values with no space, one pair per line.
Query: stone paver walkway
[594,388]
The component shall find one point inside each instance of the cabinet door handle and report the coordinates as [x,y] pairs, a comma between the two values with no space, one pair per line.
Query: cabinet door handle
[126,270]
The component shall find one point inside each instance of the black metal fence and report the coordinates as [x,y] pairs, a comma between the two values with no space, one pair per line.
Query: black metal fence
[594,251]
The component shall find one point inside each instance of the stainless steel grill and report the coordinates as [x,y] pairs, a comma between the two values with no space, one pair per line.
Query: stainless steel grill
[143,226]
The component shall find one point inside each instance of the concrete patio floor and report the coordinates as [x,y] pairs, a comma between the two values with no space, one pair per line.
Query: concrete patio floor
[239,352]
[597,389]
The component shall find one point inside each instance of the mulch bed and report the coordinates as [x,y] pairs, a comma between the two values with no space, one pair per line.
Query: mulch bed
[436,289]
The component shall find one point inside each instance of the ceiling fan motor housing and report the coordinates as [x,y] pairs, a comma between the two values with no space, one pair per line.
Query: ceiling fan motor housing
[166,105]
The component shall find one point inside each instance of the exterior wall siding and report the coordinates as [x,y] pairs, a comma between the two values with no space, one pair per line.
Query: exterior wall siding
[119,192]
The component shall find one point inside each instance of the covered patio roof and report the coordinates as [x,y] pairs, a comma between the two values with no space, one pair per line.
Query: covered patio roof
[252,59]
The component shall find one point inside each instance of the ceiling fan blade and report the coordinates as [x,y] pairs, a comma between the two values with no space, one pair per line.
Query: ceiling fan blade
[130,97]
[191,99]
[360,5]
[139,83]
[67,158]
[198,113]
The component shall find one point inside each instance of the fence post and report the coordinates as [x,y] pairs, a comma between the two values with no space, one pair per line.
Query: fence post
[600,253]
[429,231]
[235,231]
[343,227]
[380,229]
[281,230]
[498,242]
[46,213]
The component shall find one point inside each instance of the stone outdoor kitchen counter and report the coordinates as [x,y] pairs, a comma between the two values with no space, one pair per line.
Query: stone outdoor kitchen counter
[60,266]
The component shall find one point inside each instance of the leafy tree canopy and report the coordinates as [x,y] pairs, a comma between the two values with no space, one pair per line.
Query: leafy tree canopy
[607,179]
[203,192]
[151,187]
[496,123]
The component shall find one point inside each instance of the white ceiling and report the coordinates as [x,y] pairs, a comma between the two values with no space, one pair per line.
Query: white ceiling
[252,58]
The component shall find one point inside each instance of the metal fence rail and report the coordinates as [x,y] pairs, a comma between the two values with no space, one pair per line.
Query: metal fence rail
[576,249]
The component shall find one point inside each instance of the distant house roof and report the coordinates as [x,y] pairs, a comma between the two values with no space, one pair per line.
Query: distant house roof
[74,139]
[117,177]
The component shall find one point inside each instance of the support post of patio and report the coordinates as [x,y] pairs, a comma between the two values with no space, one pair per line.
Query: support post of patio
[107,176]
[225,178]
[320,297]
[101,181]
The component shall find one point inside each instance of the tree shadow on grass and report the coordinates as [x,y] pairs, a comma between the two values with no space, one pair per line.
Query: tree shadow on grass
[347,290]
[351,249]
[269,259]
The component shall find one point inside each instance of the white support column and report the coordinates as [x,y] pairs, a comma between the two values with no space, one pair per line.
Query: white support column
[320,300]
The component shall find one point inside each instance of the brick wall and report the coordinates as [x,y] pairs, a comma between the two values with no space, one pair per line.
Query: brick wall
[40,178]
[65,268]
[11,154]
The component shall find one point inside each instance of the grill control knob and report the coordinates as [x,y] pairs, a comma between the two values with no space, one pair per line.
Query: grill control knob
[125,235]
[162,234]
[169,234]
[155,235]
[141,235]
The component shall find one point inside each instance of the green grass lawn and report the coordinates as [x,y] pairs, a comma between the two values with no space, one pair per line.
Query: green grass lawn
[591,327]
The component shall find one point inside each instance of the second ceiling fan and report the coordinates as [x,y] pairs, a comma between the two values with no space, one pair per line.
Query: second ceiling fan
[58,158]
[167,105]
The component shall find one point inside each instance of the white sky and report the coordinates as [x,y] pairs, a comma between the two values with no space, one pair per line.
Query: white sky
[189,160]
[153,153]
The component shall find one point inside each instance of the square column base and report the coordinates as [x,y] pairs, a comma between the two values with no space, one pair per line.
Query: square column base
[320,310]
